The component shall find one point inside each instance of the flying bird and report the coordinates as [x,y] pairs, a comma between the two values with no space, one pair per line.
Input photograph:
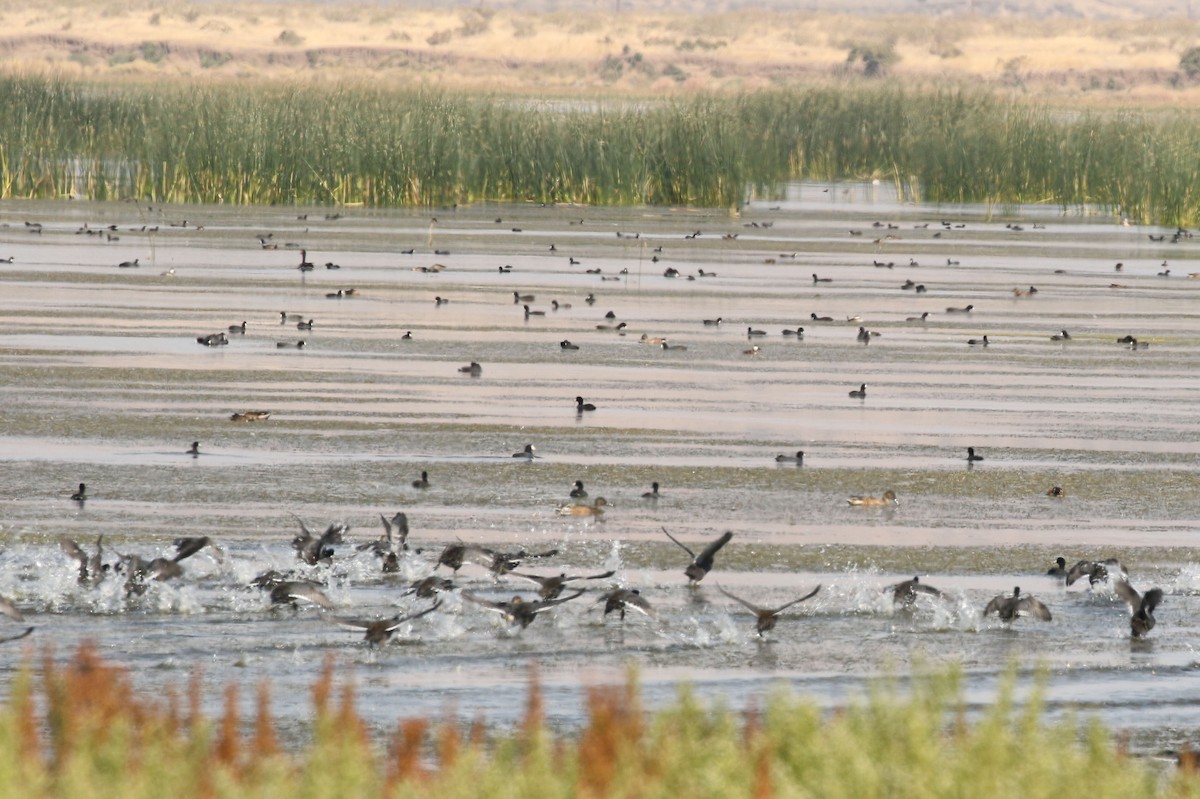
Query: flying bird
[378,631]
[904,594]
[517,610]
[1141,608]
[1011,606]
[701,564]
[767,616]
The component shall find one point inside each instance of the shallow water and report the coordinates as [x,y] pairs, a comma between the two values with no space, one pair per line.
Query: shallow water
[102,381]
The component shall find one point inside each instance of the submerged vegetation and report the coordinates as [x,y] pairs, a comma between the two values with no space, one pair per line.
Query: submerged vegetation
[316,144]
[87,733]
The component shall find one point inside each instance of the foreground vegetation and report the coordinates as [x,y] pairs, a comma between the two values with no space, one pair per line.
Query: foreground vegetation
[86,732]
[312,144]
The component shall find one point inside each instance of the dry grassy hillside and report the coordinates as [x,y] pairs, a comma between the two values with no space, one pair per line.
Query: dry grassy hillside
[1102,61]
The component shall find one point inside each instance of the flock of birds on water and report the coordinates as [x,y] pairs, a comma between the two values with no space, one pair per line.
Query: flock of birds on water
[297,587]
[293,589]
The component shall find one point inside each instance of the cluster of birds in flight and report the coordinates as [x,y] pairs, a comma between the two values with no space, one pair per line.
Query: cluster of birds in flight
[293,589]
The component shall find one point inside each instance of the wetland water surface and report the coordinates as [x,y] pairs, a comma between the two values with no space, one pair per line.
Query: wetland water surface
[103,382]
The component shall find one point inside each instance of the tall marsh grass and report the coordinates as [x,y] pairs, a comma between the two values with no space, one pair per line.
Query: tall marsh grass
[328,145]
[85,731]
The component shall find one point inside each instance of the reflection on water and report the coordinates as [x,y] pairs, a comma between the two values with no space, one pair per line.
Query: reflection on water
[103,382]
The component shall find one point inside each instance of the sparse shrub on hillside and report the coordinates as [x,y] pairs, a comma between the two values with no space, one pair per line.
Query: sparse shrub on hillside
[476,22]
[290,38]
[702,44]
[154,52]
[211,59]
[1189,62]
[611,68]
[875,58]
[440,37]
[675,73]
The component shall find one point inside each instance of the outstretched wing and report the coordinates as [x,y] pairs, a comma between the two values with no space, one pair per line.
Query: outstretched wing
[549,603]
[1151,599]
[73,550]
[1083,567]
[712,549]
[16,637]
[499,607]
[604,576]
[1129,595]
[996,604]
[309,592]
[534,578]
[303,529]
[809,595]
[1032,606]
[186,547]
[750,606]
[416,615]
[676,540]
[10,610]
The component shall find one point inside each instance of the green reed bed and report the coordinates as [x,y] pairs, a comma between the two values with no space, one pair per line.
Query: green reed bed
[82,730]
[318,144]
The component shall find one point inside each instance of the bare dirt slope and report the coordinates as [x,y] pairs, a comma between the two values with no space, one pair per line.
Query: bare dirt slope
[1131,60]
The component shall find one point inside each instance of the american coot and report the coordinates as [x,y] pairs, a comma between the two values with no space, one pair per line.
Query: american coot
[1009,607]
[767,616]
[905,593]
[1096,571]
[860,392]
[619,599]
[378,631]
[517,610]
[701,564]
[1141,608]
[552,587]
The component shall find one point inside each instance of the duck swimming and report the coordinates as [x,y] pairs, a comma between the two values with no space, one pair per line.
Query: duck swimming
[422,481]
[526,453]
[652,493]
[859,393]
[797,459]
[581,406]
[80,496]
[473,369]
[595,509]
[888,499]
[578,491]
[972,457]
